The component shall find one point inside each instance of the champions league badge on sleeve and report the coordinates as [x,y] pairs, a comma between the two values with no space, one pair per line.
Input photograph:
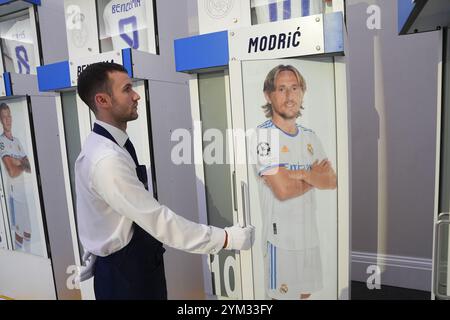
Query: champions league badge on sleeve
[263,149]
[218,9]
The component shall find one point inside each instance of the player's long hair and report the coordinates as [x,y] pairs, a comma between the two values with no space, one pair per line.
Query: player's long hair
[269,86]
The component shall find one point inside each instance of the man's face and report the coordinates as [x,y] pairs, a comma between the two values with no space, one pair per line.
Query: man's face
[287,97]
[6,119]
[124,98]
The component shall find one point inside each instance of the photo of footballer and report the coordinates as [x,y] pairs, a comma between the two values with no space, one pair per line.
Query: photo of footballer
[16,162]
[290,171]
[19,178]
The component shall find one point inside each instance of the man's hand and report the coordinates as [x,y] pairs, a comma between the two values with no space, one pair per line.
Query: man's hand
[239,238]
[321,175]
[322,167]
[25,164]
[87,272]
[16,162]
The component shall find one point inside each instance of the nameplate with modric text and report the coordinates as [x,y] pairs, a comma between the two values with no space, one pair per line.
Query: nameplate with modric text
[78,65]
[290,38]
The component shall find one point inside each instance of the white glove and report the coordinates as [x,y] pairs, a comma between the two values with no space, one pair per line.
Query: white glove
[87,272]
[240,238]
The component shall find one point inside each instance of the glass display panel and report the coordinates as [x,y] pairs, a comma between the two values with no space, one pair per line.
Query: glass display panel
[18,171]
[290,118]
[219,197]
[18,43]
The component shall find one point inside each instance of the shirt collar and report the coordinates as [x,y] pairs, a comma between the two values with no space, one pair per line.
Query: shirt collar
[120,136]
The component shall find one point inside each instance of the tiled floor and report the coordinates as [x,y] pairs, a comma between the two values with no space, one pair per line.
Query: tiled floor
[360,292]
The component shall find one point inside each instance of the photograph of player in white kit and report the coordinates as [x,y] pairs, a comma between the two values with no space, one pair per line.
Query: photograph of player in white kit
[19,179]
[16,162]
[292,167]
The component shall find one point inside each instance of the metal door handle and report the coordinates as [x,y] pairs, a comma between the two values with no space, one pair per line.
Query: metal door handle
[234,192]
[245,204]
[437,260]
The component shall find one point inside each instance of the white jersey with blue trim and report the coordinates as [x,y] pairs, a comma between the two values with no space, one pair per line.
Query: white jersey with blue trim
[20,47]
[13,148]
[288,224]
[126,24]
[278,10]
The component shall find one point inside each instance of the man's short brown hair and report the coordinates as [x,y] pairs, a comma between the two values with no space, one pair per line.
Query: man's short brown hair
[95,79]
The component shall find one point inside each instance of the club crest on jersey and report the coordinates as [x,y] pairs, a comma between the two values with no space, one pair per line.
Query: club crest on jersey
[310,149]
[284,288]
[263,149]
[217,9]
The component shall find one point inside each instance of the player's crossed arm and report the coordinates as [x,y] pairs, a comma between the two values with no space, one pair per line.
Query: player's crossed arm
[283,186]
[26,164]
[15,166]
[321,176]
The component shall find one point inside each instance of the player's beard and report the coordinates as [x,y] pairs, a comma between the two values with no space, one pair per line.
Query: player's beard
[288,113]
[286,116]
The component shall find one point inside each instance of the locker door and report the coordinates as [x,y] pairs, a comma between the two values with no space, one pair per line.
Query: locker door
[298,252]
[19,176]
[215,173]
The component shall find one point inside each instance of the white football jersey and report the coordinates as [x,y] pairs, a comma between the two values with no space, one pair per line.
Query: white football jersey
[289,224]
[13,148]
[20,47]
[126,23]
[77,28]
[277,10]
